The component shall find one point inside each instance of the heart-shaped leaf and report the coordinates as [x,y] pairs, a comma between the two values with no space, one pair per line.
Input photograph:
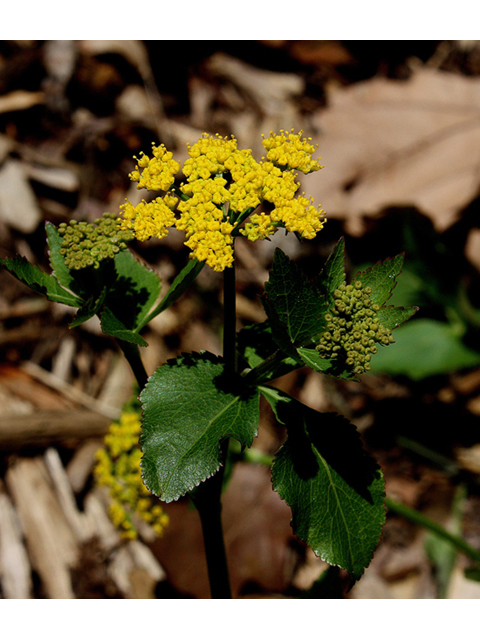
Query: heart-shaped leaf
[189,407]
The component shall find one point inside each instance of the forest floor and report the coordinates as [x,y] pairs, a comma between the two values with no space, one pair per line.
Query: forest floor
[398,133]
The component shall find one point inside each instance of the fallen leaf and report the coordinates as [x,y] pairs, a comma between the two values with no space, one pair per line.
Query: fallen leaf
[18,204]
[399,143]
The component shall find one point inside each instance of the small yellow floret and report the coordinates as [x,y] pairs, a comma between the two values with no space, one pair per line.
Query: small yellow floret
[288,149]
[148,219]
[224,185]
[118,469]
[158,173]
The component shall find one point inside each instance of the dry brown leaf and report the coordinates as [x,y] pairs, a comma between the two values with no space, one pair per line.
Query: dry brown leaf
[18,204]
[389,142]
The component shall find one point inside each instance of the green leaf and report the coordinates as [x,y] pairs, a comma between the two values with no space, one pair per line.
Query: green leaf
[177,288]
[89,309]
[133,292]
[334,488]
[312,359]
[39,281]
[60,270]
[392,317]
[381,278]
[333,274]
[256,346]
[424,348]
[297,302]
[188,409]
[112,326]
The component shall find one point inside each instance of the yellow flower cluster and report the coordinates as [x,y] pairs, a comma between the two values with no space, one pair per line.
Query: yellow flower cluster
[224,185]
[118,468]
[288,149]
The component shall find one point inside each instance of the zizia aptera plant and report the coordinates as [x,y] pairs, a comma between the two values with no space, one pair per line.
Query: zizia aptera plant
[193,405]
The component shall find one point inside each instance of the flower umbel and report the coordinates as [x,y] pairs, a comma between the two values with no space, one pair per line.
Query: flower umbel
[87,244]
[118,468]
[223,187]
[353,329]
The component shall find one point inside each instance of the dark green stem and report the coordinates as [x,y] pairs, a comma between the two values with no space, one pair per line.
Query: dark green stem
[229,320]
[207,499]
[207,496]
[132,354]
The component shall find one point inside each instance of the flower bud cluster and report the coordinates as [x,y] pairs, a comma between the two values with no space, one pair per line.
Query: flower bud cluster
[87,244]
[353,329]
[118,469]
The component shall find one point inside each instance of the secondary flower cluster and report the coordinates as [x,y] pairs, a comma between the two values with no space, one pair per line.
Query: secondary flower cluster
[118,468]
[353,328]
[87,244]
[223,187]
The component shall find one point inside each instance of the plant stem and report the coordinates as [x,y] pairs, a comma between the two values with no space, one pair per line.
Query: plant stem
[207,496]
[431,525]
[229,320]
[132,354]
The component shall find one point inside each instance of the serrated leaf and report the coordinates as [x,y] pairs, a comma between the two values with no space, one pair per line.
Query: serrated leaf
[112,326]
[256,346]
[334,488]
[333,273]
[255,343]
[280,332]
[392,317]
[39,281]
[188,409]
[181,283]
[297,303]
[133,292]
[312,359]
[89,309]
[381,278]
[57,262]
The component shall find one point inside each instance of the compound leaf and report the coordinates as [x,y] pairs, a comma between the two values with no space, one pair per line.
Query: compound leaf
[188,409]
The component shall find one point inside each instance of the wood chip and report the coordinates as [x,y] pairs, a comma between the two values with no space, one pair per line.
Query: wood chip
[96,509]
[15,570]
[81,464]
[51,543]
[44,428]
[20,100]
[79,523]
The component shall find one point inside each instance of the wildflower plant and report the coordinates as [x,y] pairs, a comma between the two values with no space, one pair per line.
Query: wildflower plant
[194,404]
